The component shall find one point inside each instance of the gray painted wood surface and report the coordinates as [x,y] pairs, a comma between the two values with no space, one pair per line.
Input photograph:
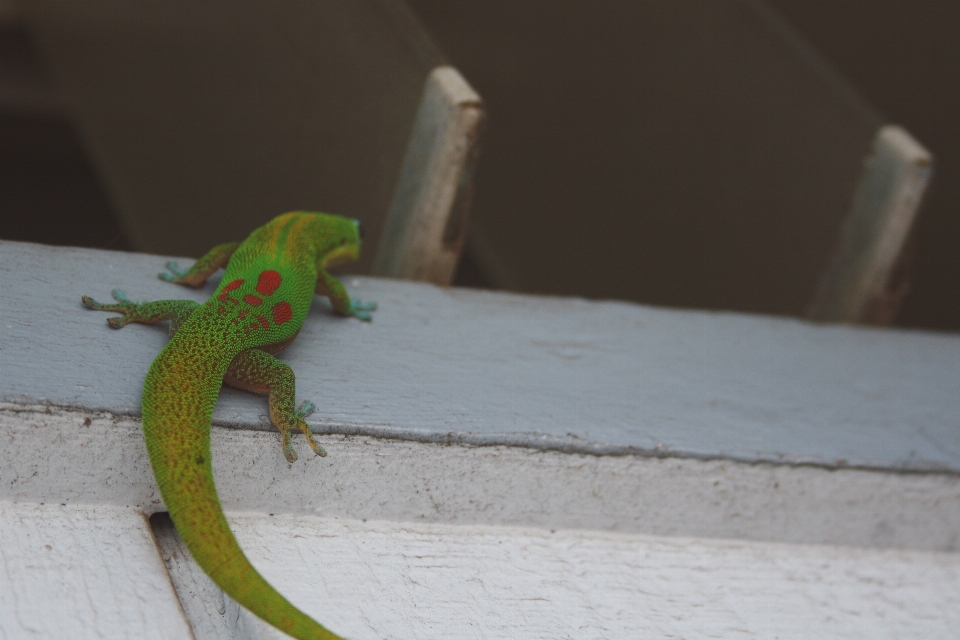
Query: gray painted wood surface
[449,365]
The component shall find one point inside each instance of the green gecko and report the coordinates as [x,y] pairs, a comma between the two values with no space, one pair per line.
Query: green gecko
[257,310]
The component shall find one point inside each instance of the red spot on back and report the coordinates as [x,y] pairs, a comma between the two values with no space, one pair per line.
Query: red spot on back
[268,282]
[263,322]
[223,297]
[282,312]
[233,285]
[252,300]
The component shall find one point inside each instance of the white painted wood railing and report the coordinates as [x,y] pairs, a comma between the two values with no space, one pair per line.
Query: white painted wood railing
[500,466]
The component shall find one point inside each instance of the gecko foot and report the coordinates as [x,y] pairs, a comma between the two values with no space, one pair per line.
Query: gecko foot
[362,310]
[123,305]
[175,273]
[305,410]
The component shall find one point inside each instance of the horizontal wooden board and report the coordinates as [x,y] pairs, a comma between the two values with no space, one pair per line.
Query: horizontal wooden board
[454,365]
[77,457]
[387,580]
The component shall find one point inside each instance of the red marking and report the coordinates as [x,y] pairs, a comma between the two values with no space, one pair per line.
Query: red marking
[263,322]
[282,312]
[252,300]
[221,310]
[233,285]
[244,313]
[268,282]
[246,331]
[254,325]
[223,297]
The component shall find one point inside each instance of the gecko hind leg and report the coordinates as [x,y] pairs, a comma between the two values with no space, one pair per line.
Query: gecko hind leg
[258,371]
[203,268]
[176,311]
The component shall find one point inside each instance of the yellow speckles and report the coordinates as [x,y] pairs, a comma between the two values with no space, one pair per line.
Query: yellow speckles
[181,389]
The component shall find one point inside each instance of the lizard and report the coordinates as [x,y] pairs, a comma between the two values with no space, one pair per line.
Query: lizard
[256,311]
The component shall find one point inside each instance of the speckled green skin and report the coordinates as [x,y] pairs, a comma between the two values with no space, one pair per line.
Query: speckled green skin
[257,310]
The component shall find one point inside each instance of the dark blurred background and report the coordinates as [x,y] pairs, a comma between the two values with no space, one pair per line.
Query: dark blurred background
[565,85]
[905,58]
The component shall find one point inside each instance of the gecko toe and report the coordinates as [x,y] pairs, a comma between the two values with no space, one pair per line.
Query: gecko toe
[306,408]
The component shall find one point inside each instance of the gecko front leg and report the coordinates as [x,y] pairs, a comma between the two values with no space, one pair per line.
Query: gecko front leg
[176,311]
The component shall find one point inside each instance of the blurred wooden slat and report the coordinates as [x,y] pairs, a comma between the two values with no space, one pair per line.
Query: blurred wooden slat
[206,120]
[683,153]
[862,284]
[425,228]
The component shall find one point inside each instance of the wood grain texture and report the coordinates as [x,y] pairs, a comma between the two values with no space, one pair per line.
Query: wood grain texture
[388,580]
[83,572]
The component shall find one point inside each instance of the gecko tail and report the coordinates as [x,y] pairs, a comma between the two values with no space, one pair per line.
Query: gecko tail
[213,546]
[176,426]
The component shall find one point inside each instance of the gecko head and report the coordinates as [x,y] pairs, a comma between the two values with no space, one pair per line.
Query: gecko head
[342,241]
